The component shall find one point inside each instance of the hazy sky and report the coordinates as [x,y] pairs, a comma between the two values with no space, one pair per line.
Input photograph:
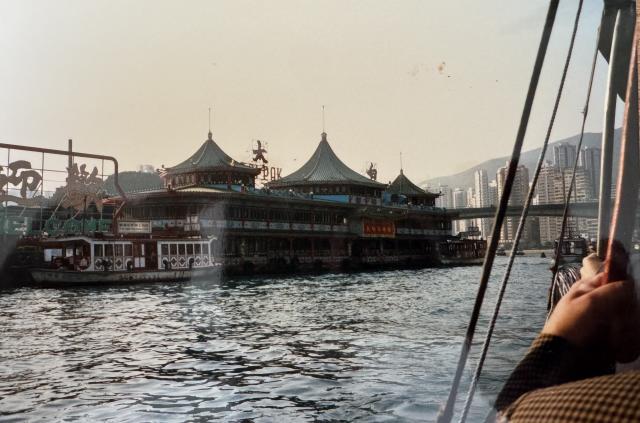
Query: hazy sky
[134,79]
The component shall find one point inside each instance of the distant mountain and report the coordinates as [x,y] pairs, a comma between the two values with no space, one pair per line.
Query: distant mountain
[529,158]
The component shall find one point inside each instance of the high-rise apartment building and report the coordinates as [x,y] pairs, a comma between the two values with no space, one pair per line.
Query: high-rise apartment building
[459,201]
[482,198]
[445,199]
[564,155]
[493,193]
[553,188]
[518,197]
[590,161]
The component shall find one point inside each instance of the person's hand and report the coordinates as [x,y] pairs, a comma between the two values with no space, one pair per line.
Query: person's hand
[591,265]
[601,315]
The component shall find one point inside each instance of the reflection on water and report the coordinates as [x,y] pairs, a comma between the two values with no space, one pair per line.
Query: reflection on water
[371,346]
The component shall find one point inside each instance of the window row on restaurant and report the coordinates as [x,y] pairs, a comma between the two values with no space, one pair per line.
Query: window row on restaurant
[236,213]
[338,190]
[433,222]
[214,178]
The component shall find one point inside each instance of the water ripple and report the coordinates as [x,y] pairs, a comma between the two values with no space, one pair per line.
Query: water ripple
[369,347]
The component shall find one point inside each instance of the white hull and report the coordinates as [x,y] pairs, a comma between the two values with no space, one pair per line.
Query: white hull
[51,277]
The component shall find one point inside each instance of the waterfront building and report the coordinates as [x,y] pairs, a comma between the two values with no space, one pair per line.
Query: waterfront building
[471,197]
[483,198]
[472,224]
[459,201]
[552,188]
[518,197]
[493,193]
[547,193]
[445,200]
[564,155]
[590,161]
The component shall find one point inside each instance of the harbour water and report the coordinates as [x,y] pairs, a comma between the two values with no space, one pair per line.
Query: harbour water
[335,347]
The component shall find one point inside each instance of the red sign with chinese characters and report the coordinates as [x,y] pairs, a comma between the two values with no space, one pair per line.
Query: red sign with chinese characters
[378,228]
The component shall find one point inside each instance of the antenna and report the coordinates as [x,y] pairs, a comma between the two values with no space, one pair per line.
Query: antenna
[323,118]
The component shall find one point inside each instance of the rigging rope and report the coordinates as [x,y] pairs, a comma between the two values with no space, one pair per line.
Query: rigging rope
[523,218]
[446,413]
[565,212]
[565,278]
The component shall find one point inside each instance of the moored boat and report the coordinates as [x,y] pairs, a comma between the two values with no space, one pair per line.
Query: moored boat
[572,250]
[458,252]
[83,260]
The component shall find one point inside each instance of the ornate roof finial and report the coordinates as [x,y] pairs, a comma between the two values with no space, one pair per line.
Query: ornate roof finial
[323,118]
[401,170]
[210,134]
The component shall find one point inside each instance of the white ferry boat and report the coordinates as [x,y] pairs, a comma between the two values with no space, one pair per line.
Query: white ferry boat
[83,260]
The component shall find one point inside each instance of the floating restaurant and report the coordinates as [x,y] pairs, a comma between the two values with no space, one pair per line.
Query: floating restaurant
[322,216]
[206,212]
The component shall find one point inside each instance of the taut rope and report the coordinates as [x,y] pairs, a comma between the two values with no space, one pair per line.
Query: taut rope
[525,210]
[446,414]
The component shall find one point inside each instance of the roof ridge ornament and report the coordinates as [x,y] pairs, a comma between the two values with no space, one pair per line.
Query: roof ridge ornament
[210,138]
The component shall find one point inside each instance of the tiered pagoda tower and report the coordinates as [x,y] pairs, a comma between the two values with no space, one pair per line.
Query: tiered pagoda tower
[210,166]
[326,177]
[402,190]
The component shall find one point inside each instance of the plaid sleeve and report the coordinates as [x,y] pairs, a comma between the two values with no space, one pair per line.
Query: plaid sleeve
[550,361]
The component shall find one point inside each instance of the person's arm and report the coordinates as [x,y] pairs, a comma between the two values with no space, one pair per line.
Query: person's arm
[551,360]
[591,325]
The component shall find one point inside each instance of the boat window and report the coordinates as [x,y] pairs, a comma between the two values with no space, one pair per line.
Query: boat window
[165,249]
[174,249]
[128,250]
[50,253]
[181,249]
[205,248]
[190,249]
[97,250]
[118,250]
[108,250]
[197,249]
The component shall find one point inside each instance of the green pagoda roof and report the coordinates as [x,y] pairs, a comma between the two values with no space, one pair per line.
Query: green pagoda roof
[403,186]
[324,167]
[210,156]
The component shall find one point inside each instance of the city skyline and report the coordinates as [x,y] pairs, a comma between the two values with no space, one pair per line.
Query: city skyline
[552,188]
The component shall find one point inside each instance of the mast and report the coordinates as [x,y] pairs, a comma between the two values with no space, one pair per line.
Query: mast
[616,78]
[624,214]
